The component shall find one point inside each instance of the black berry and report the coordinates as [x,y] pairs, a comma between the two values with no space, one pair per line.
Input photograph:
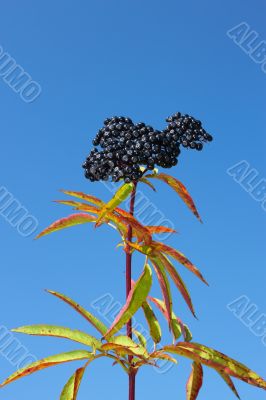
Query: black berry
[126,147]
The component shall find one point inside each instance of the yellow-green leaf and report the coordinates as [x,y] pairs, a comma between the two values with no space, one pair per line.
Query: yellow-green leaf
[122,350]
[129,343]
[163,356]
[87,197]
[154,326]
[144,249]
[71,388]
[48,362]
[136,297]
[60,332]
[219,361]
[67,222]
[188,335]
[86,314]
[142,340]
[121,195]
[176,326]
[195,380]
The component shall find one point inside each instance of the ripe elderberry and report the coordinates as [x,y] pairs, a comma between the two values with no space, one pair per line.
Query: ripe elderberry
[126,147]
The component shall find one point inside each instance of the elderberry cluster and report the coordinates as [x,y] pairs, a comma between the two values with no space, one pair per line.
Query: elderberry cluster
[127,147]
[187,130]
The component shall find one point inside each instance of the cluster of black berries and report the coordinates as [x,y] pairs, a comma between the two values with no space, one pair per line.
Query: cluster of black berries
[187,131]
[128,149]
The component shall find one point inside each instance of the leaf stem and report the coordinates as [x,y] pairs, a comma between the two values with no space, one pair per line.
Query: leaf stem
[128,288]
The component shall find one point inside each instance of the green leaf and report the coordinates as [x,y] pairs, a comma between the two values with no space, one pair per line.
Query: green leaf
[71,388]
[121,195]
[178,281]
[67,222]
[164,284]
[79,206]
[177,255]
[179,188]
[229,382]
[122,350]
[87,197]
[60,332]
[163,356]
[142,340]
[134,301]
[154,326]
[144,249]
[148,183]
[128,342]
[218,361]
[188,335]
[48,362]
[153,248]
[120,225]
[86,314]
[194,383]
[176,325]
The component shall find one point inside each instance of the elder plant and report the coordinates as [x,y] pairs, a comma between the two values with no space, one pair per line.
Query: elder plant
[129,154]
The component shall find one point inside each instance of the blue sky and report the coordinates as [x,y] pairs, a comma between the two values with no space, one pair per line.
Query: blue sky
[144,59]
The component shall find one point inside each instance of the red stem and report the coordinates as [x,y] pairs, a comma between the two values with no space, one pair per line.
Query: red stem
[131,395]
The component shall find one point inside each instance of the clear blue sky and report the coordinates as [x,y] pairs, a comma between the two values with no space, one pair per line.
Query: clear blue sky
[145,59]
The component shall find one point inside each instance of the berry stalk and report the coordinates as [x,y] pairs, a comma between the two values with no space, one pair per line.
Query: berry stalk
[131,391]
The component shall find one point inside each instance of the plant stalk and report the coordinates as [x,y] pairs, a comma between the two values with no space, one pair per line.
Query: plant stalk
[132,375]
